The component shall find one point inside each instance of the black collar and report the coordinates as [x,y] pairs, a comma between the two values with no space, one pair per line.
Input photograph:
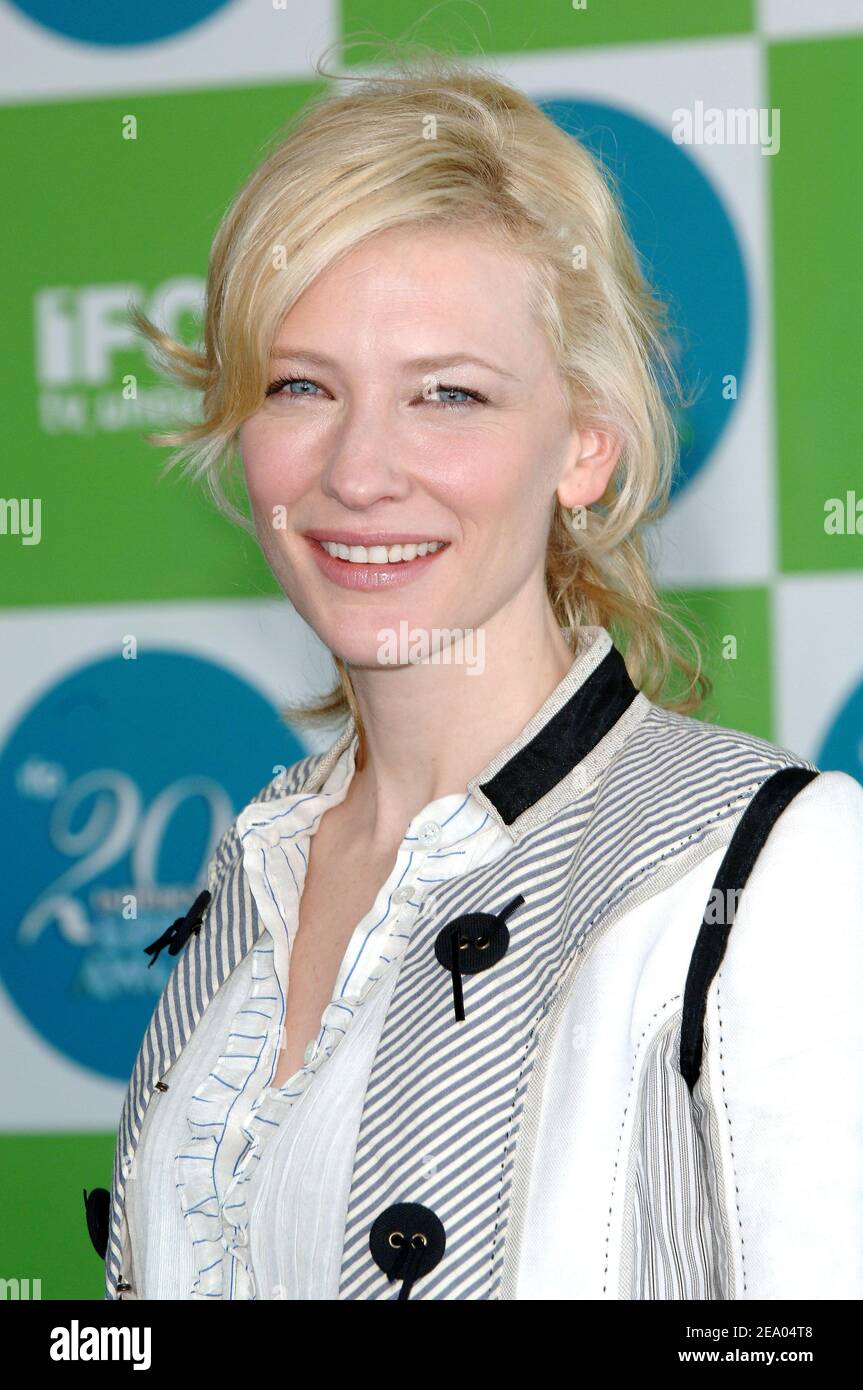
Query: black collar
[561,750]
[564,737]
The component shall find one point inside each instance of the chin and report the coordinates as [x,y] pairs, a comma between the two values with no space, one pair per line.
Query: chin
[357,640]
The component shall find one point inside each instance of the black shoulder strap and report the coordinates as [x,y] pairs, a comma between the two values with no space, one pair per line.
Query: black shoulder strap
[746,843]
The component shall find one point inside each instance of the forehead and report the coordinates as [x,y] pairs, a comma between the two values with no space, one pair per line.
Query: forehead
[425,288]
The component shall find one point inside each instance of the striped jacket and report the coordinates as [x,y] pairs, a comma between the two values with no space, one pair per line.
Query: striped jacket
[605,1071]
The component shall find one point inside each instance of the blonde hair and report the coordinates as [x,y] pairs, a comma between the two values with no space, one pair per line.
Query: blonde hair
[438,142]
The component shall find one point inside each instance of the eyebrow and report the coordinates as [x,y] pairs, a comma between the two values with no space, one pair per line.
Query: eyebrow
[284,353]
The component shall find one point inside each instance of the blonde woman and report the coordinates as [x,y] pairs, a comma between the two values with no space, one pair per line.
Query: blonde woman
[532,985]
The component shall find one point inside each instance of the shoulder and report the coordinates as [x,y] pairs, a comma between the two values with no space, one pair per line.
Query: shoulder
[816,843]
[825,816]
[679,776]
[800,917]
[828,810]
[716,743]
[828,806]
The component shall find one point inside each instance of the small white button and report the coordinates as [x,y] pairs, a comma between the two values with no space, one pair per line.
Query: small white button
[401,895]
[310,1052]
[272,834]
[429,833]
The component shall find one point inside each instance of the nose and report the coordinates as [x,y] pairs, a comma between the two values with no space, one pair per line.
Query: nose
[366,459]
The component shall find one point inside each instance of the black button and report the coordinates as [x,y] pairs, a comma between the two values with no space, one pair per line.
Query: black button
[407,1240]
[472,943]
[97,1205]
[480,941]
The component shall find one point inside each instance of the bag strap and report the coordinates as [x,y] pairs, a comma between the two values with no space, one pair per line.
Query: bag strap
[746,843]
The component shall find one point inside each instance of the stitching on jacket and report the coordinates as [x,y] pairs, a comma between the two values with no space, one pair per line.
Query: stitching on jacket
[644,1032]
[698,834]
[506,1145]
[730,1133]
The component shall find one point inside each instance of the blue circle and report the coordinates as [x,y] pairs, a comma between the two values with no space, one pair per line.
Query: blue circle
[842,749]
[689,253]
[121,25]
[113,786]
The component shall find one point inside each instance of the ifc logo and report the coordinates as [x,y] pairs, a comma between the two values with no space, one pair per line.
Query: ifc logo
[106,22]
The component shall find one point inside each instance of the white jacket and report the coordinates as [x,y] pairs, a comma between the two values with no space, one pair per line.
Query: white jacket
[627,1091]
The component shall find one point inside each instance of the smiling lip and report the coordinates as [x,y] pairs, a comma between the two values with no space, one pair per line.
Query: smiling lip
[386,576]
[368,538]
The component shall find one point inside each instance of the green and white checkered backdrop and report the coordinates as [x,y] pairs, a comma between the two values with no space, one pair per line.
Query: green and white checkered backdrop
[139,632]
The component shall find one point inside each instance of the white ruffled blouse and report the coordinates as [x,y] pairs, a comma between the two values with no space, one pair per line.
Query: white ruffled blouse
[241,1191]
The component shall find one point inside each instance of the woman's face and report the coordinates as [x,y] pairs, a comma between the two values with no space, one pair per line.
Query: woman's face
[363,443]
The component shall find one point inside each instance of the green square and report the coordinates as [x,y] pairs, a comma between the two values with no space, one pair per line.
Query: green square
[513,26]
[817,208]
[93,212]
[45,1233]
[733,628]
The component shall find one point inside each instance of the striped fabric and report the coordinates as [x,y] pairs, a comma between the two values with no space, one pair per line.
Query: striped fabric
[676,1242]
[442,1112]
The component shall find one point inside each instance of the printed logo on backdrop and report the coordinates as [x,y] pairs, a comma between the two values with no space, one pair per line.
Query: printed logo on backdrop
[86,349]
[107,22]
[115,787]
[689,252]
[842,748]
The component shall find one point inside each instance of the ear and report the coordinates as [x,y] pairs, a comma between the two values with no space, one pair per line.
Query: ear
[589,465]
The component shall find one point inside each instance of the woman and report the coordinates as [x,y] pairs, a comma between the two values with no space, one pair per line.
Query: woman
[473,1005]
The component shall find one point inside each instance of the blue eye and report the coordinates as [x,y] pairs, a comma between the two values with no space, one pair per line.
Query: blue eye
[461,391]
[276,386]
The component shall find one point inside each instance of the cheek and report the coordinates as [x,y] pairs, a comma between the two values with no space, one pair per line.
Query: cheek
[493,479]
[271,470]
[252,455]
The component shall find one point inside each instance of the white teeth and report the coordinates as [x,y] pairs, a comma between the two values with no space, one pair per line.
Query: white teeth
[380,554]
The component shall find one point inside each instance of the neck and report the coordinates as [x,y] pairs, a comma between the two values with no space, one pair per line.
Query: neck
[431,727]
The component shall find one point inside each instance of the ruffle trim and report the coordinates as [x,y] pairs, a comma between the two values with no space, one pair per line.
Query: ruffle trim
[208,1115]
[220,1231]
